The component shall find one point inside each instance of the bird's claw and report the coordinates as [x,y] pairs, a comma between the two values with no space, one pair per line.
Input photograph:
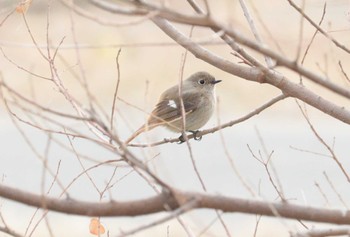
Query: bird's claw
[181,139]
[195,133]
[195,137]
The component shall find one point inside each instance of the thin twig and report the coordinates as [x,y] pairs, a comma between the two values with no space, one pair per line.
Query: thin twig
[311,152]
[22,68]
[173,214]
[265,164]
[335,190]
[65,190]
[258,219]
[315,33]
[7,16]
[268,156]
[254,30]
[339,45]
[6,228]
[267,30]
[46,211]
[301,33]
[33,39]
[207,227]
[83,79]
[115,91]
[183,115]
[230,158]
[313,37]
[320,139]
[82,165]
[222,126]
[343,71]
[10,232]
[322,193]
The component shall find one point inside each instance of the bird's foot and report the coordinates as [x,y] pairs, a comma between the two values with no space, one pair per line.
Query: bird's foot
[195,133]
[181,139]
[195,137]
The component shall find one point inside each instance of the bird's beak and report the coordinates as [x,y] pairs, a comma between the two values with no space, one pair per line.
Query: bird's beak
[216,81]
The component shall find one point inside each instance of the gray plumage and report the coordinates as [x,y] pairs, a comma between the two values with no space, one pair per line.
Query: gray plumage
[198,96]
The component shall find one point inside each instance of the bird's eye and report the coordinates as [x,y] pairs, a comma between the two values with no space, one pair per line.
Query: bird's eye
[201,82]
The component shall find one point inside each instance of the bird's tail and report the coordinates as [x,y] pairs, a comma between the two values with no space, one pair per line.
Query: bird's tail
[142,129]
[135,134]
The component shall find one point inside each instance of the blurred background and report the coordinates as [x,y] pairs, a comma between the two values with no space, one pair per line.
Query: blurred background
[150,62]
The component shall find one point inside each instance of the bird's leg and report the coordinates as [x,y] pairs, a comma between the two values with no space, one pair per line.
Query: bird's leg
[181,139]
[195,137]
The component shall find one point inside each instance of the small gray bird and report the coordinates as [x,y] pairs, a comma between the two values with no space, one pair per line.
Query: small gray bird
[198,96]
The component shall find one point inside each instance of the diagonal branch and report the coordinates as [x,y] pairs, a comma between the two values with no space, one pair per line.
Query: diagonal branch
[221,126]
[314,24]
[164,14]
[255,74]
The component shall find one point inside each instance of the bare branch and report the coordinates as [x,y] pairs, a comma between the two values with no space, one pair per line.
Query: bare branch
[116,90]
[266,166]
[173,214]
[10,232]
[156,204]
[321,140]
[335,190]
[314,24]
[257,36]
[324,233]
[99,127]
[271,77]
[322,193]
[315,33]
[343,71]
[301,33]
[221,126]
[165,13]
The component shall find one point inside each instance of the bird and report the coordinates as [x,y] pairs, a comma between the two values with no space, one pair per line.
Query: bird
[198,97]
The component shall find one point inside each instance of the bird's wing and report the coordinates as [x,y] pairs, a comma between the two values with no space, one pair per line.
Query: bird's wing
[169,109]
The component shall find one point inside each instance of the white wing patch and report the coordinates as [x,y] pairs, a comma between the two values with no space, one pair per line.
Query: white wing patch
[172,104]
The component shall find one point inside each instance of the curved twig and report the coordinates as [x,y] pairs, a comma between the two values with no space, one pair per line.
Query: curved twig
[217,128]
